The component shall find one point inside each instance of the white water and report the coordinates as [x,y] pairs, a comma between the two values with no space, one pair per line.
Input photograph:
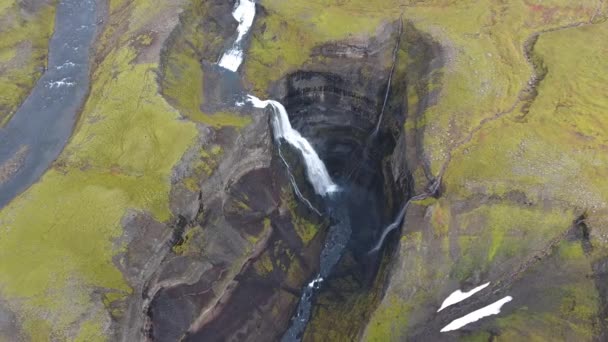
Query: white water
[492,309]
[315,168]
[458,296]
[391,227]
[244,13]
[315,282]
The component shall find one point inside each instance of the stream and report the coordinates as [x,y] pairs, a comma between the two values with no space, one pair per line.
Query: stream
[42,125]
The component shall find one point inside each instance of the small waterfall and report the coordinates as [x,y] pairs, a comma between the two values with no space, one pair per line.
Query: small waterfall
[390,228]
[431,191]
[244,13]
[315,168]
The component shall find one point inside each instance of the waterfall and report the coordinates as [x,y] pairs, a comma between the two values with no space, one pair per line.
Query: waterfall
[431,191]
[244,13]
[316,172]
[390,228]
[315,168]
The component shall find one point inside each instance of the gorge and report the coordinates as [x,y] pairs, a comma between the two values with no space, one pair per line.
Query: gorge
[321,170]
[337,201]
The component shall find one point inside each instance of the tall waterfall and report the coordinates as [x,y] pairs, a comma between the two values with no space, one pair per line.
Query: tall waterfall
[315,168]
[244,13]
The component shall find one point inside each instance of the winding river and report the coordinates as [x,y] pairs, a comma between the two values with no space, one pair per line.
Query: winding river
[42,125]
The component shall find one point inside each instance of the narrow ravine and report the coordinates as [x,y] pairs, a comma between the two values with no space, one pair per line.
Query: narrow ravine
[41,127]
[352,202]
[316,172]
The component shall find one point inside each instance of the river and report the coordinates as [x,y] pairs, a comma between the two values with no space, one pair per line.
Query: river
[43,124]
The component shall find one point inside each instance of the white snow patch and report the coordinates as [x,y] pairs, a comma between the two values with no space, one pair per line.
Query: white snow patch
[458,296]
[492,309]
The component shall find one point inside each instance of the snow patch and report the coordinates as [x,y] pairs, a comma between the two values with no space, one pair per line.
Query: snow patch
[492,309]
[458,296]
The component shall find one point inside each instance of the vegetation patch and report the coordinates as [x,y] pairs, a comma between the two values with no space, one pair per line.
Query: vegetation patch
[121,156]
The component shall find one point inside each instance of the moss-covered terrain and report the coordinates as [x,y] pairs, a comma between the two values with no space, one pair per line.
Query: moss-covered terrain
[57,237]
[26,28]
[166,188]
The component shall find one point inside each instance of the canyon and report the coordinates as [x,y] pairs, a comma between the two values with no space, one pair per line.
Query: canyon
[319,170]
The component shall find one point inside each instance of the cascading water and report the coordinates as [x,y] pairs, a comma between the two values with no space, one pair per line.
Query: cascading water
[315,168]
[431,191]
[339,234]
[394,225]
[244,13]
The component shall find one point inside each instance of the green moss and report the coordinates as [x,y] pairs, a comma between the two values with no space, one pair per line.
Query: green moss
[295,274]
[427,202]
[389,321]
[571,251]
[495,234]
[292,29]
[263,265]
[23,51]
[187,246]
[481,336]
[38,330]
[91,331]
[440,219]
[305,228]
[559,142]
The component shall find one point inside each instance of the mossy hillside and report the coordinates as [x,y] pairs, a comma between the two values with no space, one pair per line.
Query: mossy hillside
[120,157]
[390,321]
[486,68]
[516,187]
[570,312]
[304,228]
[489,241]
[554,153]
[284,36]
[26,31]
[496,237]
